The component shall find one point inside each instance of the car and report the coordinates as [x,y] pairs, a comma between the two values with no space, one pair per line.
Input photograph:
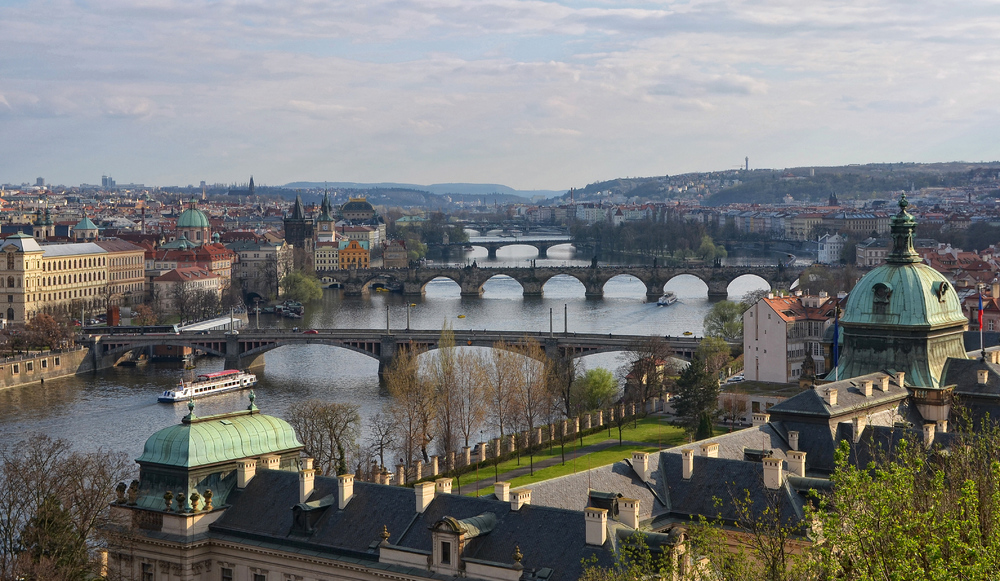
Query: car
[310,332]
[736,379]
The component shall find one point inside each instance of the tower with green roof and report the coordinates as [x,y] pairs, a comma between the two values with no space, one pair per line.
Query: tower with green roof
[903,316]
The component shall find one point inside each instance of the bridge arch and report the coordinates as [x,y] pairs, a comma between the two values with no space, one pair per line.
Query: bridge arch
[681,283]
[570,290]
[745,283]
[625,285]
[500,282]
[446,283]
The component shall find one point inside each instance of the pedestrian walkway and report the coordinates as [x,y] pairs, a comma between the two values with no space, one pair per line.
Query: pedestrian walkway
[487,477]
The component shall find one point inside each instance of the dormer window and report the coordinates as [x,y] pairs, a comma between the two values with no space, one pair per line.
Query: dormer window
[880,300]
[445,553]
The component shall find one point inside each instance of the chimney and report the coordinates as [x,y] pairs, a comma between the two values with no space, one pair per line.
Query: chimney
[866,388]
[830,397]
[307,479]
[519,498]
[773,473]
[400,474]
[761,418]
[640,463]
[983,375]
[270,462]
[901,378]
[929,435]
[858,424]
[942,426]
[687,463]
[710,450]
[345,490]
[628,511]
[793,440]
[597,525]
[246,469]
[502,491]
[996,289]
[885,383]
[424,492]
[995,357]
[797,462]
[443,485]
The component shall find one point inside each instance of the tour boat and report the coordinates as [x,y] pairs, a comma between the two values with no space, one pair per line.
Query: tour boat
[667,299]
[209,384]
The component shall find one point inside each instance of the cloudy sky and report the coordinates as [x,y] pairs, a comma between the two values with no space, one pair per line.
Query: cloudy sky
[531,94]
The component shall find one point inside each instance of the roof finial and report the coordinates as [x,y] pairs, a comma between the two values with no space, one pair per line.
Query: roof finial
[190,415]
[253,397]
[903,203]
[384,535]
[517,557]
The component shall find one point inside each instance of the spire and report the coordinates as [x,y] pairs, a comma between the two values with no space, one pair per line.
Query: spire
[903,225]
[251,186]
[298,212]
[326,209]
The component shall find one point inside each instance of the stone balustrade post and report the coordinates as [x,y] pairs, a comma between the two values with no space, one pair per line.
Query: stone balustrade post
[586,422]
[466,456]
[600,418]
[434,465]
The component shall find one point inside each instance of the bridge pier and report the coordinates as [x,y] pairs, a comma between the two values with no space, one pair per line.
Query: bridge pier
[718,290]
[654,289]
[532,288]
[386,355]
[595,290]
[412,288]
[491,251]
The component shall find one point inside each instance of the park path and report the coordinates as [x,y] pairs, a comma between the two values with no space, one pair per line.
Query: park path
[486,479]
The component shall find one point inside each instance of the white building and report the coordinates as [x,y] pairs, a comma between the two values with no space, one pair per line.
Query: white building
[830,248]
[780,333]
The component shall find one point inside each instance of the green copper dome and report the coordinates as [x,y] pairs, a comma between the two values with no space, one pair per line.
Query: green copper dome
[217,439]
[192,217]
[902,316]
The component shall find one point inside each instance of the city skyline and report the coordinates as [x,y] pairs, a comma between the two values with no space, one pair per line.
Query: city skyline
[528,94]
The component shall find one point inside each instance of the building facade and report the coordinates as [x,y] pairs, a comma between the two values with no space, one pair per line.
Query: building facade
[783,337]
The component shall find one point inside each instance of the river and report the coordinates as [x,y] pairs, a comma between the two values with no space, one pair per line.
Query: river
[117,409]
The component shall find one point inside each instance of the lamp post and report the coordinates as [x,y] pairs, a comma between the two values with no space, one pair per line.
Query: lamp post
[408,305]
[256,304]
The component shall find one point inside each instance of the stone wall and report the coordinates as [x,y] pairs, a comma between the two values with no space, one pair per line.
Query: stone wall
[25,369]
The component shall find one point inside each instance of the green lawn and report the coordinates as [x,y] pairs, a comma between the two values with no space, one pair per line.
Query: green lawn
[652,430]
[652,433]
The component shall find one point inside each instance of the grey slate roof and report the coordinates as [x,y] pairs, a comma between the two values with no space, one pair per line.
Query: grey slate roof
[725,480]
[849,398]
[547,537]
[572,491]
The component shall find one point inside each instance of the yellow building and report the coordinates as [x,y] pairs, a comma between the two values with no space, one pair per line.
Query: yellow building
[353,254]
[67,278]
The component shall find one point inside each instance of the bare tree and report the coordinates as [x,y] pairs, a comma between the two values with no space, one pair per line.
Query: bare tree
[327,430]
[381,435]
[499,373]
[734,405]
[562,375]
[412,405]
[531,396]
[469,395]
[38,469]
[645,368]
[443,374]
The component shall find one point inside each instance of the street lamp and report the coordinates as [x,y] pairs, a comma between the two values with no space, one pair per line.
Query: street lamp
[408,305]
[256,304]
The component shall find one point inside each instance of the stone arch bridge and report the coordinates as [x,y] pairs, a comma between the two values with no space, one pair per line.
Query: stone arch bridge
[246,349]
[471,279]
[542,245]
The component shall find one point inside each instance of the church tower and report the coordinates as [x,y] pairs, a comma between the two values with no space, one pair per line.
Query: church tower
[325,223]
[299,233]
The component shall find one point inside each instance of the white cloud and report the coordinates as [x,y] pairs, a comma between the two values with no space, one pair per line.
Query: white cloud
[448,90]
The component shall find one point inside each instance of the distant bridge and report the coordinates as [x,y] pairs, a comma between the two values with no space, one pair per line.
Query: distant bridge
[542,245]
[532,279]
[246,349]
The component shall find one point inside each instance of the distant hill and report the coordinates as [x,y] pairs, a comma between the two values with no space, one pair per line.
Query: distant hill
[462,189]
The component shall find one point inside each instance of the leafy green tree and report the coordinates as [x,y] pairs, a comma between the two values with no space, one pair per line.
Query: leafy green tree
[707,250]
[598,388]
[52,546]
[725,320]
[301,287]
[697,398]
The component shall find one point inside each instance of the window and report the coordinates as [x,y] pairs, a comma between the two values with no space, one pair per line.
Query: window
[45,363]
[445,553]
[31,366]
[259,577]
[880,299]
[57,362]
[226,574]
[147,572]
[17,368]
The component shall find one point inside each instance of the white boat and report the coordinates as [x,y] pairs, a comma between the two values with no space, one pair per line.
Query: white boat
[667,299]
[209,384]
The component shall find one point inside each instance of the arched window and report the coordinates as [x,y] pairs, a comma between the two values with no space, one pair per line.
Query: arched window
[10,261]
[10,282]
